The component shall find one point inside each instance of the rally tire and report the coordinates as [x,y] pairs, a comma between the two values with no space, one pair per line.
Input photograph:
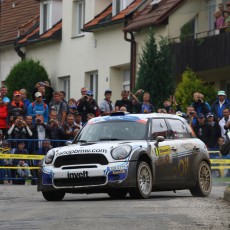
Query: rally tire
[53,195]
[204,181]
[117,194]
[144,182]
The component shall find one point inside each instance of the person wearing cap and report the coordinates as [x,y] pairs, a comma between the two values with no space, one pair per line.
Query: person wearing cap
[219,104]
[88,105]
[106,106]
[16,107]
[202,129]
[38,107]
[214,133]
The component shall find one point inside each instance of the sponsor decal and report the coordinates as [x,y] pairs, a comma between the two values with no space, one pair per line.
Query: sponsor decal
[83,174]
[164,150]
[82,151]
[118,171]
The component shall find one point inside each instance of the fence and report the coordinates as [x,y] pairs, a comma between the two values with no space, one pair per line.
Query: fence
[10,156]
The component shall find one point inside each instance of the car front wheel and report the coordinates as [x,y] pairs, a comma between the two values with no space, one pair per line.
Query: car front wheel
[53,195]
[204,181]
[144,182]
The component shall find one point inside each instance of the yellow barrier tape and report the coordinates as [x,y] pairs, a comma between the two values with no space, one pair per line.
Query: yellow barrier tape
[18,167]
[220,161]
[221,167]
[21,156]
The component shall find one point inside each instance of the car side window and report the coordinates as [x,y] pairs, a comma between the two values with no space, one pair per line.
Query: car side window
[159,128]
[178,129]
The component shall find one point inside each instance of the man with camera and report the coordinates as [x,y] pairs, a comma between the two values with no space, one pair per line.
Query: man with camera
[88,105]
[200,106]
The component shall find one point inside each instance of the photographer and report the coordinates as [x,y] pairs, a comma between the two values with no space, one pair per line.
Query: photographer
[88,105]
[200,106]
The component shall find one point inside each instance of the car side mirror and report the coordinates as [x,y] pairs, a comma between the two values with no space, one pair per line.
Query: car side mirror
[68,143]
[158,140]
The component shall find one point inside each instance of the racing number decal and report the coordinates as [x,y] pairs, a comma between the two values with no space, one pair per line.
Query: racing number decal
[183,167]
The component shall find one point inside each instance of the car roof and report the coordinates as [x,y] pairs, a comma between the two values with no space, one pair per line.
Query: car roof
[141,116]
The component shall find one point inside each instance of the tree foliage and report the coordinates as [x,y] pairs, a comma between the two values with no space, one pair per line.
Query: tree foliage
[155,72]
[190,84]
[25,74]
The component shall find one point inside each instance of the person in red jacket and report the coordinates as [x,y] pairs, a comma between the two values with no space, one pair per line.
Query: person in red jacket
[3,116]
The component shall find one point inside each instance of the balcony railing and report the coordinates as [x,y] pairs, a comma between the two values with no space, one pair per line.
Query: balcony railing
[201,51]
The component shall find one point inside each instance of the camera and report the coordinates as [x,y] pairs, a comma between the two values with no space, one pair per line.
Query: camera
[20,122]
[85,97]
[38,120]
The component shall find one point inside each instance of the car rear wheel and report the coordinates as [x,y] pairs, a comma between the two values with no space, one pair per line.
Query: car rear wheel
[204,181]
[117,194]
[53,195]
[144,182]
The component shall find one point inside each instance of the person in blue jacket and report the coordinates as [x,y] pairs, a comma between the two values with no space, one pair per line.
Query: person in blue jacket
[38,107]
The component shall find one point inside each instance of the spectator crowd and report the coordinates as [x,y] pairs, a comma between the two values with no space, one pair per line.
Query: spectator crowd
[49,120]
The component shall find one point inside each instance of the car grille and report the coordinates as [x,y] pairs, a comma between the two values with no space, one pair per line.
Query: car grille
[80,181]
[79,159]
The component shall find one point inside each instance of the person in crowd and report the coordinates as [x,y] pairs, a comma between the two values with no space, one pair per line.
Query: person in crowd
[63,99]
[60,107]
[52,114]
[171,104]
[215,131]
[56,133]
[227,19]
[128,100]
[78,120]
[41,131]
[23,173]
[72,101]
[70,128]
[3,117]
[224,123]
[83,93]
[200,106]
[19,130]
[24,98]
[106,106]
[4,91]
[46,90]
[220,104]
[202,129]
[191,116]
[46,146]
[88,105]
[145,106]
[160,110]
[220,21]
[72,109]
[90,116]
[16,107]
[38,107]
[6,149]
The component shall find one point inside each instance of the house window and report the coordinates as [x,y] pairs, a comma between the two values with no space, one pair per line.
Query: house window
[45,16]
[78,17]
[211,10]
[189,29]
[65,86]
[93,83]
[126,79]
[119,5]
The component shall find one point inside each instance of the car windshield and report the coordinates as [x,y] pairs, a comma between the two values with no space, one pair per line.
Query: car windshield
[112,130]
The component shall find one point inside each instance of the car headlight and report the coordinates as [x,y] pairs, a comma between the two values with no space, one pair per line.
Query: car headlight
[49,156]
[121,152]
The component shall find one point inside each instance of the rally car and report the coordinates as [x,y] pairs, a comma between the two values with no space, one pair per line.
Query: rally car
[131,154]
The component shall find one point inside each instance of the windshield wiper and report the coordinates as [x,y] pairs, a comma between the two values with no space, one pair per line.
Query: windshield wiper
[82,141]
[109,139]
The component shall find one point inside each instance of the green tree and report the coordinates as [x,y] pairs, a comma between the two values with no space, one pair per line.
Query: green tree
[190,84]
[25,74]
[155,72]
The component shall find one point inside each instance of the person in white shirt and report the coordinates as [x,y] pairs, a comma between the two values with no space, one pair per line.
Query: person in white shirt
[225,123]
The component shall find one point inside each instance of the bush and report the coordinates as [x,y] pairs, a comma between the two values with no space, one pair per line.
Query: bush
[189,85]
[25,74]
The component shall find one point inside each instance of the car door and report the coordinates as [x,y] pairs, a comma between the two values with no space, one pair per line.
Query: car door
[163,154]
[186,149]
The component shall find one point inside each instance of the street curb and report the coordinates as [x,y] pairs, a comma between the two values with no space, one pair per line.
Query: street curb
[227,194]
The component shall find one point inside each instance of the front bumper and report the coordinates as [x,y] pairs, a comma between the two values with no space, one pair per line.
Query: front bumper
[88,178]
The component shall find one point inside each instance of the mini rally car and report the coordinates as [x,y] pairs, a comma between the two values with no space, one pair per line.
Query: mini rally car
[128,153]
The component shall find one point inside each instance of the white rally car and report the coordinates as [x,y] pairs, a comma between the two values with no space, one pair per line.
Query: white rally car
[128,153]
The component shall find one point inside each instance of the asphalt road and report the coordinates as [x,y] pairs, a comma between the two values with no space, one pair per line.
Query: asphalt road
[22,207]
